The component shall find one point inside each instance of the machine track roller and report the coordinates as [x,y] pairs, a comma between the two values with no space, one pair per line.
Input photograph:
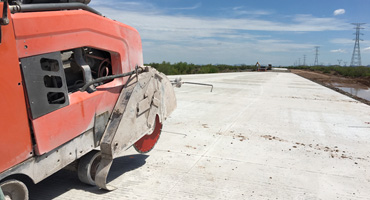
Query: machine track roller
[14,190]
[147,142]
[87,167]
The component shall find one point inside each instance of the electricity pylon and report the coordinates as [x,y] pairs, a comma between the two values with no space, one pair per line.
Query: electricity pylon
[356,55]
[316,63]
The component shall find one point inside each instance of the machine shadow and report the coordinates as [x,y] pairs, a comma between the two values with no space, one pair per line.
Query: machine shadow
[125,164]
[65,180]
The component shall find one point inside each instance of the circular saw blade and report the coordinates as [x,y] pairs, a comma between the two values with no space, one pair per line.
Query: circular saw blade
[147,142]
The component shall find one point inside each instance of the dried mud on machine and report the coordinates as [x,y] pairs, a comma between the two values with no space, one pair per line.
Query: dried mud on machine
[74,90]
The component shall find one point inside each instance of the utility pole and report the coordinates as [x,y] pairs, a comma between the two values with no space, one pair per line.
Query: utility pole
[339,61]
[316,63]
[356,55]
[304,60]
[299,61]
[345,63]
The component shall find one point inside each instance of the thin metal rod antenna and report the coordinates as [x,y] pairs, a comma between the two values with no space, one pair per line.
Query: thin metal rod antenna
[199,84]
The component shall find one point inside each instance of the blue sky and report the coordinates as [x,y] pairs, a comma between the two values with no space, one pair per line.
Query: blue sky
[244,32]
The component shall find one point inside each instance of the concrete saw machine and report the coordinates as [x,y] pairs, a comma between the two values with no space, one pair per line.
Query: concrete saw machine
[75,93]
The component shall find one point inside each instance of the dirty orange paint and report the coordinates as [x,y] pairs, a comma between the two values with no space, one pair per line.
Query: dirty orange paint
[15,143]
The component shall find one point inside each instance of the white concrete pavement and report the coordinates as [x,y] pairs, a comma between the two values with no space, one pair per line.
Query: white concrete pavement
[265,135]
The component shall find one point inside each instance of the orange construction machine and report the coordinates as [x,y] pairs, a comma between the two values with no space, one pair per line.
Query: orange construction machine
[74,89]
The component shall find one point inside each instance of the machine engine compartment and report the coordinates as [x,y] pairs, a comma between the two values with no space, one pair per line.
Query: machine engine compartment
[98,60]
[51,77]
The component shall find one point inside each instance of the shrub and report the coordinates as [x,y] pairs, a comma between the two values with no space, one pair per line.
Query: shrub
[186,68]
[353,72]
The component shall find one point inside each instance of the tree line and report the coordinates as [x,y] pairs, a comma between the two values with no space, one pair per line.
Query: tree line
[190,68]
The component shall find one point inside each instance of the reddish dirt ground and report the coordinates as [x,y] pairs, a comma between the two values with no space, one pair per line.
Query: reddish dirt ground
[333,81]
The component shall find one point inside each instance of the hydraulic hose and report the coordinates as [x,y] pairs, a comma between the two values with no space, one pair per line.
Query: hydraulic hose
[51,7]
[98,80]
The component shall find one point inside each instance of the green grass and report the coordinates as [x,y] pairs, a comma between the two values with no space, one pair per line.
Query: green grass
[353,72]
[189,68]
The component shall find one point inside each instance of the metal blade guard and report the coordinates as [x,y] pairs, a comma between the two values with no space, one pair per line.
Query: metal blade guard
[145,102]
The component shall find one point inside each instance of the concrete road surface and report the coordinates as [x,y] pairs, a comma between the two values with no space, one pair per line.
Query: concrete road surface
[266,135]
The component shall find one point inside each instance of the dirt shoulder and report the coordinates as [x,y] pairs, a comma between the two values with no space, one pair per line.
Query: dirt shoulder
[333,81]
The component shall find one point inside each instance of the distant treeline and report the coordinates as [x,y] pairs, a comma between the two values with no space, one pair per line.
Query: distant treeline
[189,68]
[338,70]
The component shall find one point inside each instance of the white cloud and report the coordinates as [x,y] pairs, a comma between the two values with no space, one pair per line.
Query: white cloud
[198,5]
[338,51]
[178,25]
[342,41]
[311,23]
[152,17]
[367,49]
[178,37]
[348,41]
[339,12]
[241,11]
[124,5]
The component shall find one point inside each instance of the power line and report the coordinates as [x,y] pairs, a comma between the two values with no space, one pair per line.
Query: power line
[339,61]
[304,60]
[316,63]
[356,55]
